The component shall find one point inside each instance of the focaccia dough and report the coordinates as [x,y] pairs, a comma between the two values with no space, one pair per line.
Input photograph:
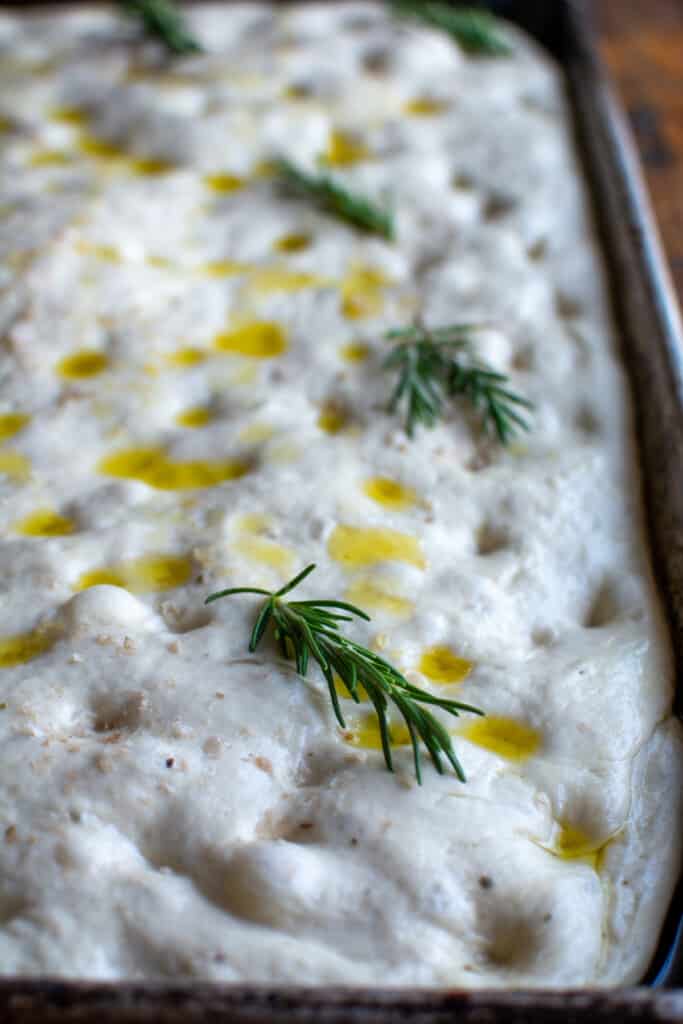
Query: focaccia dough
[192,397]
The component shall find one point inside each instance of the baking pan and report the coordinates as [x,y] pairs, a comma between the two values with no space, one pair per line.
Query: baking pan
[652,340]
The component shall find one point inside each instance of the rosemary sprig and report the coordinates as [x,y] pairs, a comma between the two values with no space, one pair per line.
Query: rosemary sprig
[332,197]
[309,630]
[162,18]
[438,364]
[475,30]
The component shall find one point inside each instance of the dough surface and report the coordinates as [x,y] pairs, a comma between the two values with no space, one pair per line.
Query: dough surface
[192,397]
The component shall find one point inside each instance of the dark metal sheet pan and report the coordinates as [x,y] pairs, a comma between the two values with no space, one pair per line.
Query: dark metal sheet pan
[652,338]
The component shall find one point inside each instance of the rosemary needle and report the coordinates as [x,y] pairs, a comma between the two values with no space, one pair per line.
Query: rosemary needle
[474,29]
[437,364]
[332,197]
[162,18]
[309,630]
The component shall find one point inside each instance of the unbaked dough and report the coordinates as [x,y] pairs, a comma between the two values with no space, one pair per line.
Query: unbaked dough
[192,397]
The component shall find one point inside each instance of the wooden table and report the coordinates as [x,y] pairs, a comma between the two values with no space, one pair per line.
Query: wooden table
[642,42]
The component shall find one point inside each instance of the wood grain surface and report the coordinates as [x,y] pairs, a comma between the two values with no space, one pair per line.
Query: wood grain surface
[642,43]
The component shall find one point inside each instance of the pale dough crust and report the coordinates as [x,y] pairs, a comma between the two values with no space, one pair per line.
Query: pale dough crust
[172,806]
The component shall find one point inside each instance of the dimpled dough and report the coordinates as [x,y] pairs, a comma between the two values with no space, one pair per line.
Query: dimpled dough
[192,397]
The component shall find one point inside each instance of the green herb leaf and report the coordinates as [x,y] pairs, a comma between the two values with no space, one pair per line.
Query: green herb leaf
[333,198]
[438,364]
[476,30]
[162,18]
[309,630]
